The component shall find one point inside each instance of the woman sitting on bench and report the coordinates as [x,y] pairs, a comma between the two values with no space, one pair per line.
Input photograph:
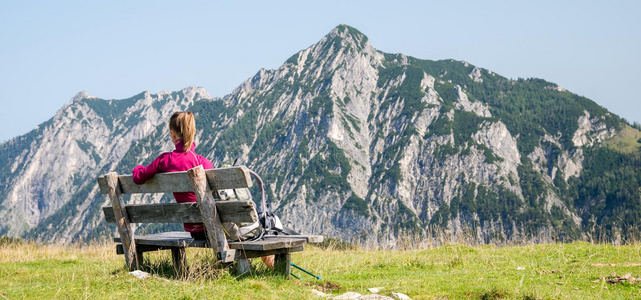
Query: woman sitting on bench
[182,128]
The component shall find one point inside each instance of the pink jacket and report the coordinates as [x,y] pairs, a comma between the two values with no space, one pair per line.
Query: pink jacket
[175,161]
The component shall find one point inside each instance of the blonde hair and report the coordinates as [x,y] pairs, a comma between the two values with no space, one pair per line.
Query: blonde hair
[184,125]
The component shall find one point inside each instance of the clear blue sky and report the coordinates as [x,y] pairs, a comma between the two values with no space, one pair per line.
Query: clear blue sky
[50,50]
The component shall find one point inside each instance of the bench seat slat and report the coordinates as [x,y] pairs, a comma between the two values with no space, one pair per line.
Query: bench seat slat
[183,239]
[268,244]
[176,182]
[168,239]
[239,254]
[230,211]
[312,239]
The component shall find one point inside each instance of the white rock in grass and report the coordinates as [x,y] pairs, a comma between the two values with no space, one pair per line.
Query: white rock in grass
[375,297]
[400,296]
[348,295]
[140,274]
[375,290]
[321,294]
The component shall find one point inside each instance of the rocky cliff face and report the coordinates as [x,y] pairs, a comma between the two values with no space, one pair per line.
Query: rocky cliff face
[54,173]
[353,143]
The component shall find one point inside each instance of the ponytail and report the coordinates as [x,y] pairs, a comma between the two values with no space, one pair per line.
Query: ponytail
[184,125]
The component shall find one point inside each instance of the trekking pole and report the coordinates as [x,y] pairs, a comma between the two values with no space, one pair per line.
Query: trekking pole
[295,276]
[297,267]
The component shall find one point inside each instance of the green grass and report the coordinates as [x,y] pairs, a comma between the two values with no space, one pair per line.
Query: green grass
[626,140]
[556,271]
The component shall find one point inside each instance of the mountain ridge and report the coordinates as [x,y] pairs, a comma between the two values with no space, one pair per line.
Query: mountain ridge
[354,143]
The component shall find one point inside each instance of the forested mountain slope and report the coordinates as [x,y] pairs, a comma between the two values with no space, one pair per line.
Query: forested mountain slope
[355,144]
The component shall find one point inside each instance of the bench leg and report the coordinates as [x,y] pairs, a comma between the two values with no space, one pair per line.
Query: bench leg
[138,262]
[282,264]
[180,260]
[243,266]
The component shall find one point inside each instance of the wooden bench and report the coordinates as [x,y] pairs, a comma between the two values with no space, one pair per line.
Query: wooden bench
[208,210]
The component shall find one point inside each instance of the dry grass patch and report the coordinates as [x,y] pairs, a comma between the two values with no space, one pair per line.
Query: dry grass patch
[626,140]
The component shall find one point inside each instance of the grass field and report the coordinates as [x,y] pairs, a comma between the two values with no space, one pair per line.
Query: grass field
[556,271]
[626,140]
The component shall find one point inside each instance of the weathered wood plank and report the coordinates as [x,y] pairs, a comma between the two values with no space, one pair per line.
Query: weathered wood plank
[141,248]
[229,178]
[239,253]
[268,244]
[282,264]
[158,213]
[243,266]
[183,239]
[175,182]
[237,211]
[161,183]
[168,239]
[253,254]
[122,221]
[310,238]
[215,232]
[140,257]
[229,211]
[180,260]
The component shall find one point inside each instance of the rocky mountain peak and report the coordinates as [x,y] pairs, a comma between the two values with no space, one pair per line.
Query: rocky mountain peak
[349,36]
[81,96]
[195,92]
[343,58]
[341,41]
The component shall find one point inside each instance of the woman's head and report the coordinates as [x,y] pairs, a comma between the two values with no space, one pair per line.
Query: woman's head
[182,123]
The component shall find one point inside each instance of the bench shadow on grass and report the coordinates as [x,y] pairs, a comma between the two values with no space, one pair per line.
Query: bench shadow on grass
[257,270]
[200,267]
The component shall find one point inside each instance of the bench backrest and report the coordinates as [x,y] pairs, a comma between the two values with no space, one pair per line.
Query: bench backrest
[230,211]
[176,182]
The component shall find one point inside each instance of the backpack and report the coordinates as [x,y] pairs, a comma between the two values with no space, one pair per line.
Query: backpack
[268,223]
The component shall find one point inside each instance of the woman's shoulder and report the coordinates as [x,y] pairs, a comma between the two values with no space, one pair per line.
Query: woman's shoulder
[207,164]
[164,155]
[164,159]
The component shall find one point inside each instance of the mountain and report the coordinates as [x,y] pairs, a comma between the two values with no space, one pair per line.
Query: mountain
[48,176]
[355,144]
